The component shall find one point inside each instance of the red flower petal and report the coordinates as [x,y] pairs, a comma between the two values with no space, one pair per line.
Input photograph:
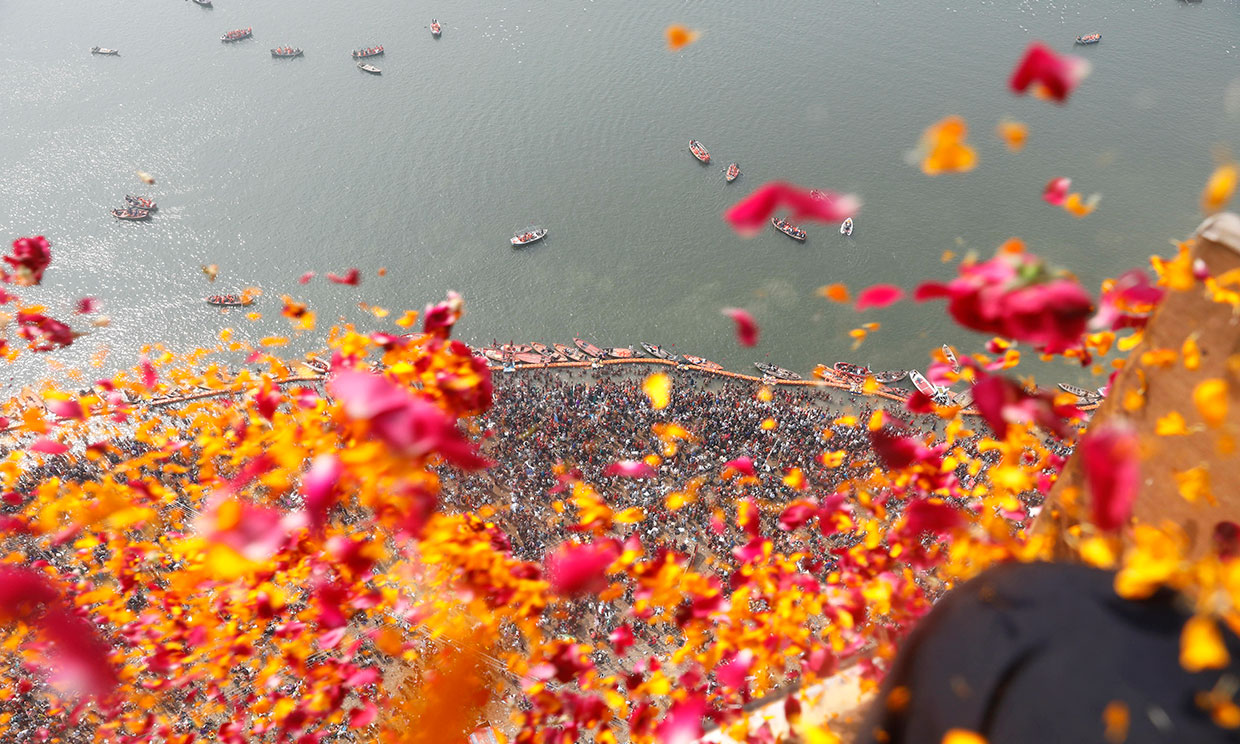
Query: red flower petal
[352,277]
[1056,191]
[746,327]
[86,305]
[69,409]
[576,568]
[879,296]
[47,447]
[364,716]
[683,722]
[305,278]
[1113,473]
[742,465]
[630,469]
[751,214]
[319,485]
[1052,74]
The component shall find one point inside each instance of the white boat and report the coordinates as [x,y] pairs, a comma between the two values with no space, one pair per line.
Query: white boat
[846,227]
[436,29]
[951,358]
[369,68]
[921,383]
[532,235]
[105,51]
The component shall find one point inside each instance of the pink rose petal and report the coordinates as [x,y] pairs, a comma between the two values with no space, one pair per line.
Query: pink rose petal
[746,327]
[879,296]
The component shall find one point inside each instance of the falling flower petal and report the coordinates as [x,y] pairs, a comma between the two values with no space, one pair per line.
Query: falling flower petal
[1112,471]
[658,388]
[1219,188]
[1014,134]
[318,487]
[746,326]
[742,465]
[211,271]
[1056,191]
[68,409]
[750,215]
[1077,207]
[942,148]
[1201,645]
[146,178]
[1049,74]
[1210,397]
[879,296]
[683,722]
[576,569]
[630,469]
[834,292]
[48,447]
[679,37]
[352,277]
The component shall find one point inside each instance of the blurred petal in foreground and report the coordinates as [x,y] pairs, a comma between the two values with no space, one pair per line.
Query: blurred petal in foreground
[750,214]
[1048,74]
[942,148]
[1219,188]
[1013,134]
[746,327]
[679,37]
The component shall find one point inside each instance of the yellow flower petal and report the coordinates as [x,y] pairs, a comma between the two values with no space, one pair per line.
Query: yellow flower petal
[658,388]
[1201,645]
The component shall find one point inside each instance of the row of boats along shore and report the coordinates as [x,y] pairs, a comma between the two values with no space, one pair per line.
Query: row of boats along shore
[289,52]
[511,354]
[733,172]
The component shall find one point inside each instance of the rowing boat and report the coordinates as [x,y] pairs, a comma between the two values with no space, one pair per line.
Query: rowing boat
[921,383]
[621,352]
[105,51]
[436,29]
[699,151]
[951,358]
[369,68]
[657,351]
[237,34]
[891,376]
[570,353]
[1078,392]
[131,214]
[286,52]
[516,348]
[140,202]
[589,349]
[529,235]
[777,372]
[698,361]
[1089,39]
[845,369]
[369,52]
[846,227]
[529,357]
[789,229]
[494,355]
[734,172]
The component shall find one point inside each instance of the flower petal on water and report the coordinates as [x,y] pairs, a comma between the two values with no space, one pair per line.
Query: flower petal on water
[879,296]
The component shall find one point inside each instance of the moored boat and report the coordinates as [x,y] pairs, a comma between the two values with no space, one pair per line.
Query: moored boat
[570,353]
[699,151]
[529,357]
[286,52]
[436,29]
[373,51]
[698,361]
[105,51]
[548,352]
[230,300]
[622,352]
[777,372]
[891,376]
[140,202]
[494,355]
[369,68]
[922,384]
[516,348]
[853,371]
[846,227]
[529,235]
[238,34]
[589,349]
[964,398]
[658,351]
[1089,39]
[131,214]
[789,229]
[203,3]
[951,358]
[734,172]
[1078,392]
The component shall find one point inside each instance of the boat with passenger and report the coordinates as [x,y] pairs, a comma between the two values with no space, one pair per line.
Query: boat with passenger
[699,151]
[140,202]
[130,213]
[780,373]
[852,371]
[286,52]
[230,300]
[890,376]
[548,352]
[1078,392]
[698,361]
[203,3]
[655,350]
[589,349]
[922,384]
[529,357]
[734,172]
[573,355]
[105,51]
[238,34]
[950,356]
[787,228]
[964,398]
[494,355]
[369,68]
[622,352]
[1089,39]
[373,51]
[516,348]
[846,227]
[529,235]
[436,29]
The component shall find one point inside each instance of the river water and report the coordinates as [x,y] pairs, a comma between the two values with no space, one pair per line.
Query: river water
[573,114]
